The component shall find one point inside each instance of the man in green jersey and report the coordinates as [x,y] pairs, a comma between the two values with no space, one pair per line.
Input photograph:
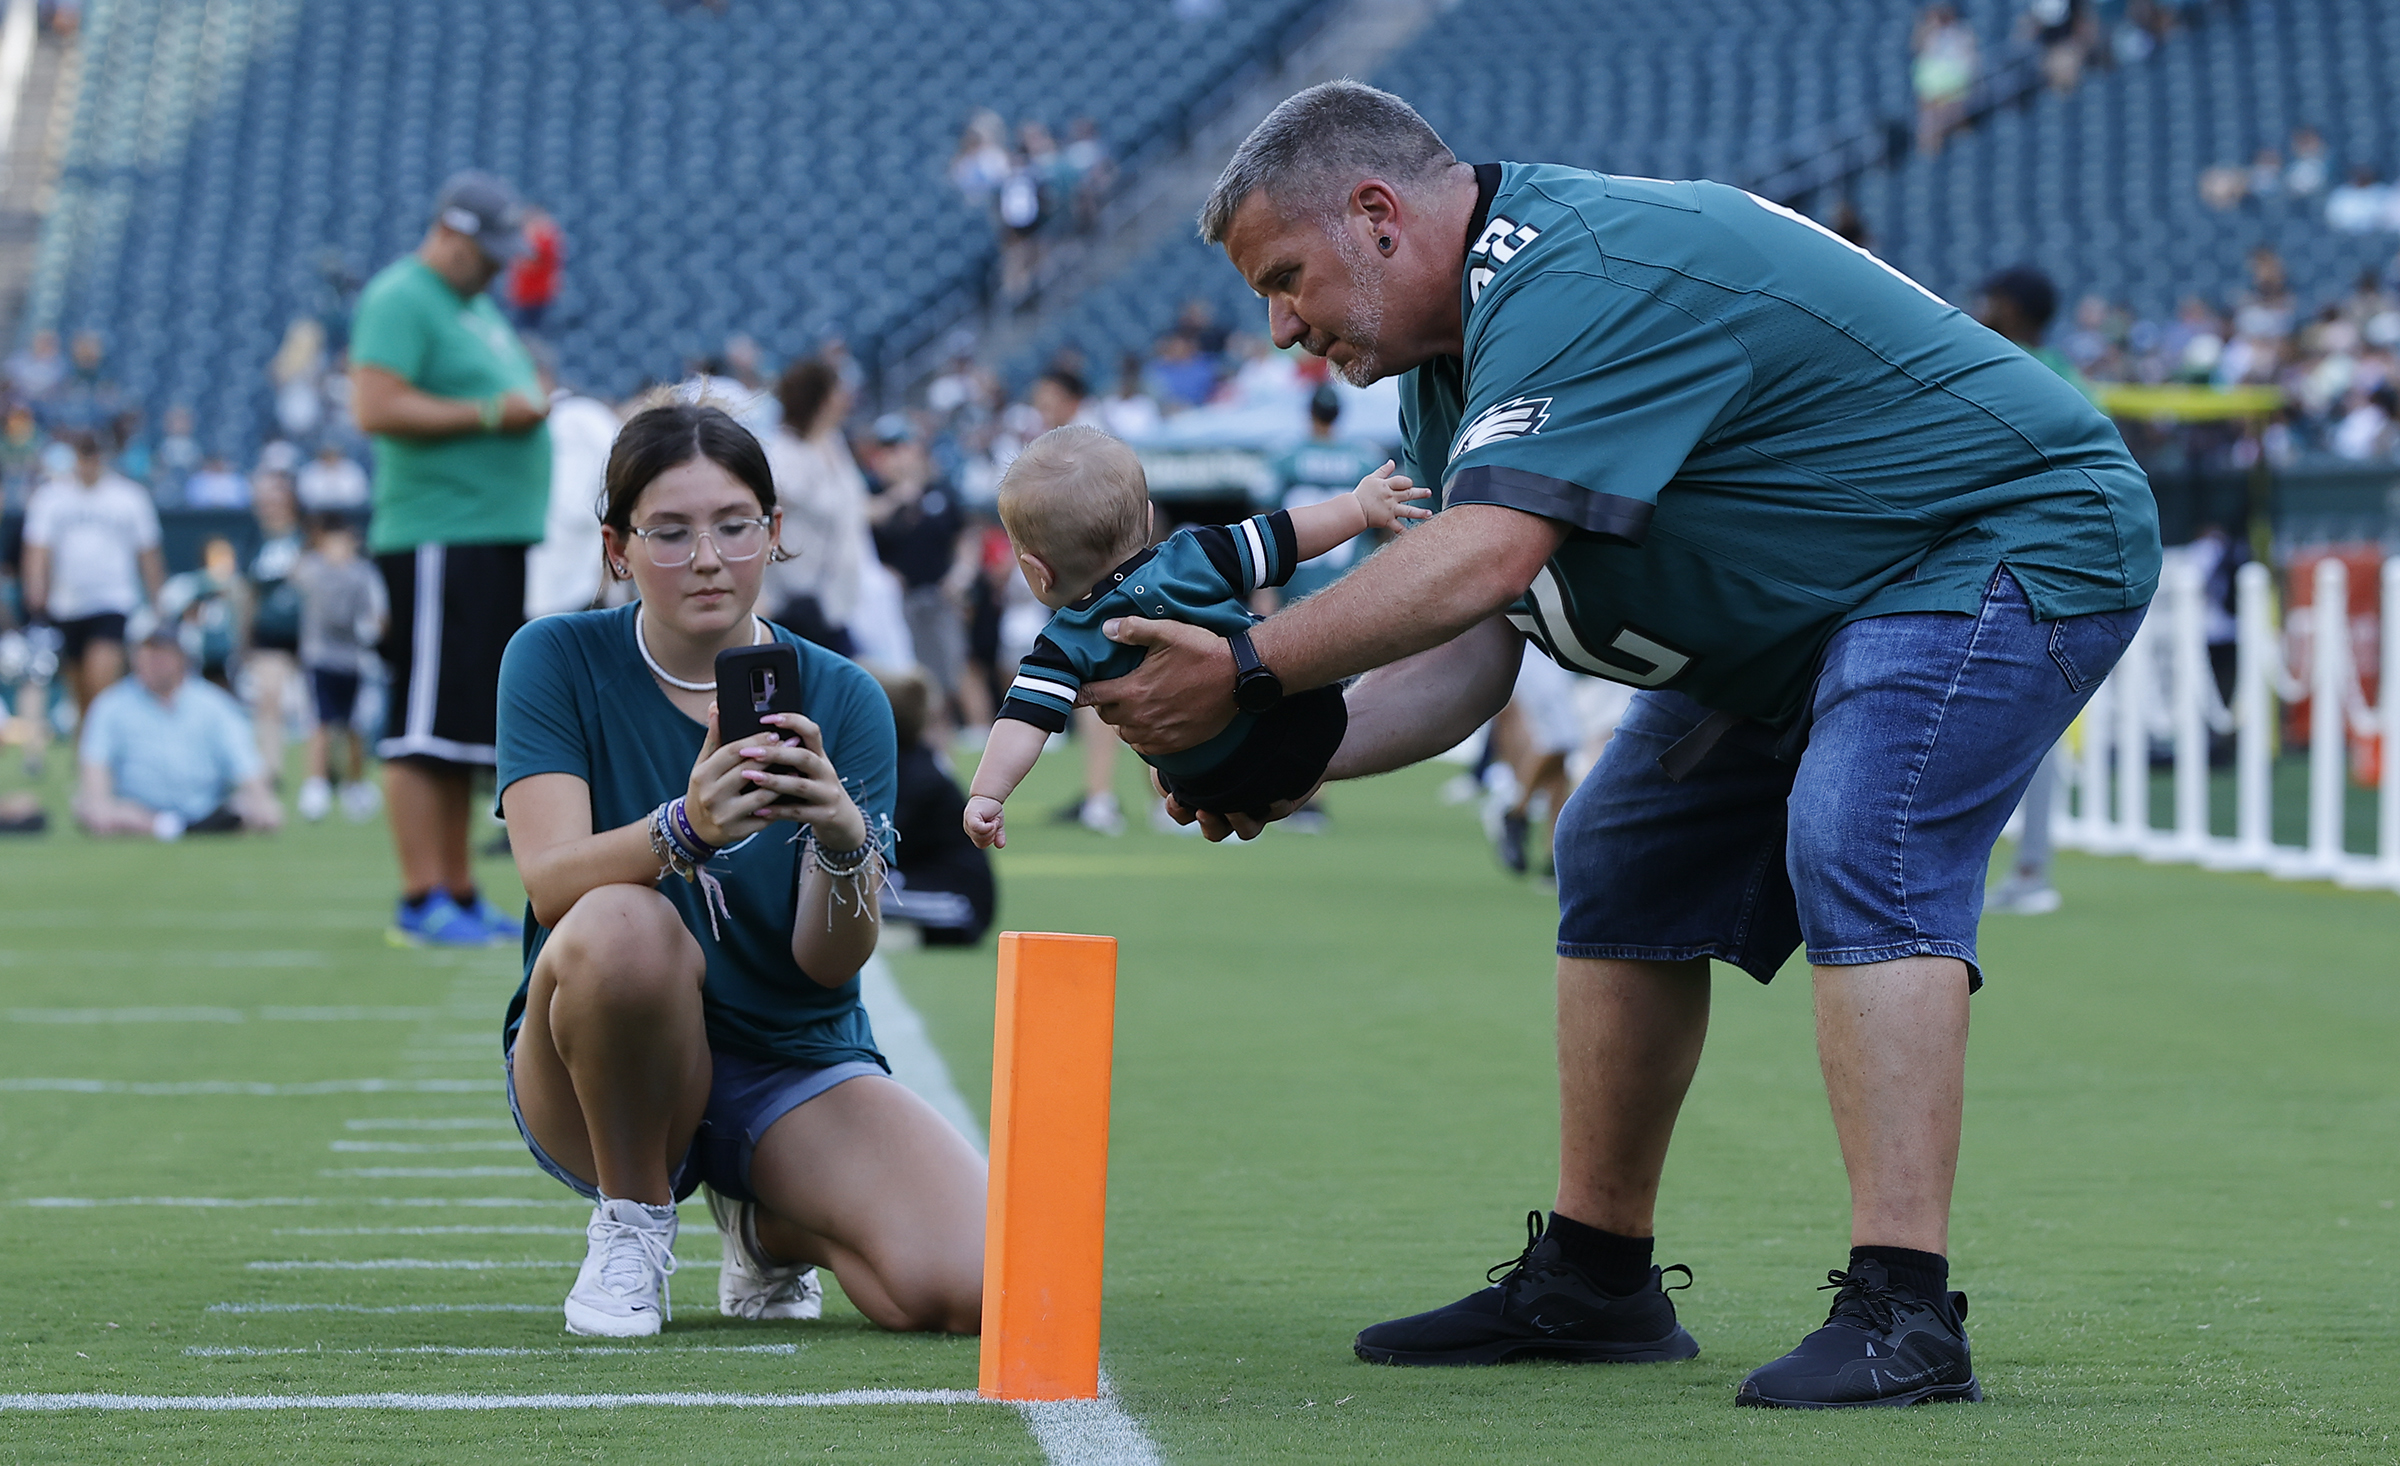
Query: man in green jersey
[1864,558]
[462,486]
[1322,466]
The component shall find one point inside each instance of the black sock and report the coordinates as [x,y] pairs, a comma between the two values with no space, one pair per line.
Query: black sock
[1926,1274]
[466,899]
[417,902]
[1619,1265]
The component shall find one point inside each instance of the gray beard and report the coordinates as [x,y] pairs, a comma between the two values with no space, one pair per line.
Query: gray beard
[1364,327]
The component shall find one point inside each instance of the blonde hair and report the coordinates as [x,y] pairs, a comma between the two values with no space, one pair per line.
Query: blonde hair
[1076,498]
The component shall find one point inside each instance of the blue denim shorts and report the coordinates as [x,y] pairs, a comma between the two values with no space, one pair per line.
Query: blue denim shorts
[745,1096]
[1872,845]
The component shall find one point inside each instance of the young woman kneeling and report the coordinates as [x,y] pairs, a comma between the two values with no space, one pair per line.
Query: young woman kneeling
[690,1012]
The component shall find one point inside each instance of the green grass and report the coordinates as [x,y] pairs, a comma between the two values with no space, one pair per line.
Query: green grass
[1334,1104]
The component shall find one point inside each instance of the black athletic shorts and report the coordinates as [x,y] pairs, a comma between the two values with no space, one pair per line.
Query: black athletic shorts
[336,696]
[454,607]
[76,636]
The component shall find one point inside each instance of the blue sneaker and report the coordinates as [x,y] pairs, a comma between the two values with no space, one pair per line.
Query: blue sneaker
[440,922]
[505,927]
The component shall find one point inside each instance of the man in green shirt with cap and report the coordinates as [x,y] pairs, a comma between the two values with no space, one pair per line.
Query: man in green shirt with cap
[1865,560]
[462,485]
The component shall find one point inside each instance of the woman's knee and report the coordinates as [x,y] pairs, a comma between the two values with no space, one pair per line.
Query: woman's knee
[626,939]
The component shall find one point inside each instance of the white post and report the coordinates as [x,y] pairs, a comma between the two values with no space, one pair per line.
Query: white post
[2187,634]
[2091,779]
[2328,714]
[2132,680]
[2253,717]
[2387,704]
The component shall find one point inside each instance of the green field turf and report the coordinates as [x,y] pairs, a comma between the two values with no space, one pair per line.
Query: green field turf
[1333,1104]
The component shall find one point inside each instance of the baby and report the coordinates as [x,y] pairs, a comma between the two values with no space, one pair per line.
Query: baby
[1077,510]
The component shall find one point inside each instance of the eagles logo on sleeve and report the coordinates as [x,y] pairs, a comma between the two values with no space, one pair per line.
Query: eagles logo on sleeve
[1520,417]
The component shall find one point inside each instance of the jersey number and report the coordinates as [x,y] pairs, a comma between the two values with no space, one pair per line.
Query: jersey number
[1547,624]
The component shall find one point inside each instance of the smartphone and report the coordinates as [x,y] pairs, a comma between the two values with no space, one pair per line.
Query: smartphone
[753,681]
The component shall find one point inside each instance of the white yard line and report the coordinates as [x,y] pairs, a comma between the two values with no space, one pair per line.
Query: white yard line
[551,1308]
[236,1086]
[1071,1432]
[421,1147]
[434,1173]
[465,1351]
[78,1202]
[429,1122]
[835,1399]
[444,1264]
[429,1232]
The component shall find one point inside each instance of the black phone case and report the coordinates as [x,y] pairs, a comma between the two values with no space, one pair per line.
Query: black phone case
[753,681]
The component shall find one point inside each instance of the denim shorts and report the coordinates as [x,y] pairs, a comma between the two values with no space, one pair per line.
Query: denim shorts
[1872,845]
[745,1096]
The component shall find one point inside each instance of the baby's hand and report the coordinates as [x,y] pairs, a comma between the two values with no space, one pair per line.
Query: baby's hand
[983,823]
[1384,496]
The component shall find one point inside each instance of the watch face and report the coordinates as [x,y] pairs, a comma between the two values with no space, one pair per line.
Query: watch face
[1258,691]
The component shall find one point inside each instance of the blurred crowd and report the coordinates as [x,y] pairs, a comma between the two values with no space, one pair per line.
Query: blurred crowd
[1035,187]
[2336,359]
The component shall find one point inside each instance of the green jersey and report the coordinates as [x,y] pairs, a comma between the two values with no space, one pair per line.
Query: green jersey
[576,698]
[473,489]
[1315,471]
[1756,433]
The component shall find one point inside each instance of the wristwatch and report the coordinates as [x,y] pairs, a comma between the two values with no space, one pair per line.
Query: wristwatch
[1255,688]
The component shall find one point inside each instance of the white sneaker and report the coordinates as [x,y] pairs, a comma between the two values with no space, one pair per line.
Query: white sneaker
[749,1286]
[1101,815]
[360,801]
[2018,897]
[622,1291]
[316,799]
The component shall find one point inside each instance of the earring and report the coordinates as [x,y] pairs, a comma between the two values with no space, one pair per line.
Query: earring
[619,568]
[1384,244]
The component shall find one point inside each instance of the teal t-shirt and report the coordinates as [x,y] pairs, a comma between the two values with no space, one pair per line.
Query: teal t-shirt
[475,488]
[576,698]
[1318,470]
[1757,434]
[1200,574]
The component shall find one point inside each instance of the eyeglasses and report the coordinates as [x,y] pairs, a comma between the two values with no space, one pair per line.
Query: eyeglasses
[673,545]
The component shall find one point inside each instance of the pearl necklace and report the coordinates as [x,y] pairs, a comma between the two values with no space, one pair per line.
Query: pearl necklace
[758,633]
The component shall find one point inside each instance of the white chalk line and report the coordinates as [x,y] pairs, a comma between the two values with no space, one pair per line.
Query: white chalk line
[412,1402]
[430,1122]
[1070,1432]
[80,1202]
[431,1173]
[381,1308]
[421,1147]
[444,1264]
[470,1351]
[235,1086]
[428,1232]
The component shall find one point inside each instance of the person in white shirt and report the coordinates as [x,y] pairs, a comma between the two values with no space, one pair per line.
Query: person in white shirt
[816,591]
[562,573]
[91,559]
[332,481]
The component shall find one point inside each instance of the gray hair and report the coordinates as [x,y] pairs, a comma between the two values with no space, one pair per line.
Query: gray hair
[1318,145]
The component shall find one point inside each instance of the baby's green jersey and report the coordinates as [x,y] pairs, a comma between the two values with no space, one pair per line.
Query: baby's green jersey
[1756,433]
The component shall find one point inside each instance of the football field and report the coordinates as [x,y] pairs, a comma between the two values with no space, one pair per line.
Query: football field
[253,1153]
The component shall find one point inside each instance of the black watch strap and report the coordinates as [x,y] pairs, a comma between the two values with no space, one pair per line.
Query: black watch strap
[1256,688]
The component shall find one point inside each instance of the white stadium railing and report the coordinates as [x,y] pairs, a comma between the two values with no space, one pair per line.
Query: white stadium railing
[2163,693]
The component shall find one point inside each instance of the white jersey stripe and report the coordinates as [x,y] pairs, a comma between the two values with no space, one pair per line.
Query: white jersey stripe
[1258,555]
[1028,683]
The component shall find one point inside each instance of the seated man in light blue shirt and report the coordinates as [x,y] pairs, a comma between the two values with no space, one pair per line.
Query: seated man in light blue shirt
[164,752]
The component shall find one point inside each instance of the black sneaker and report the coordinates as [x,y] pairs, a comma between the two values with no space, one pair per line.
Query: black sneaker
[1539,1308]
[1510,846]
[1879,1346]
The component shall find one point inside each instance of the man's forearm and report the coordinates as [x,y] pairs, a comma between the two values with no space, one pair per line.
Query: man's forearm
[1412,709]
[1423,590]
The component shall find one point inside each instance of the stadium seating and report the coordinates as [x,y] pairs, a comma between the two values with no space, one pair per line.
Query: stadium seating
[774,168]
[2099,187]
